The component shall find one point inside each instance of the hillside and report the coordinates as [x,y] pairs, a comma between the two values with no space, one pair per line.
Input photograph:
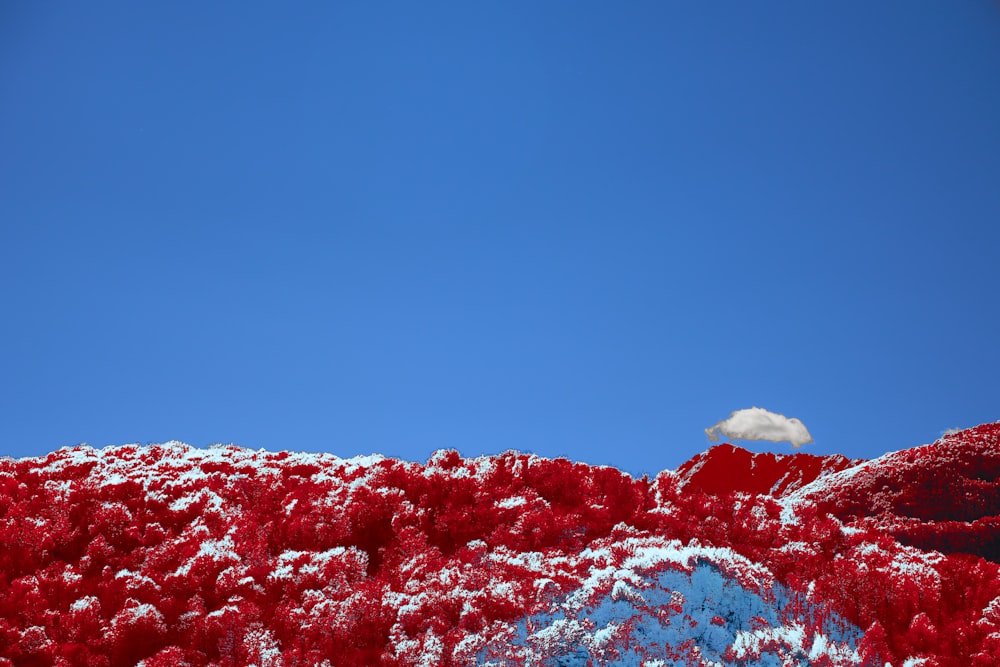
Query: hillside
[171,555]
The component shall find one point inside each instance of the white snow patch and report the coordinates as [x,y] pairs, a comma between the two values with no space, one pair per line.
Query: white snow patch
[85,603]
[131,615]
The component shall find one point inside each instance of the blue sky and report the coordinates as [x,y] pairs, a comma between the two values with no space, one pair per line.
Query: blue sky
[586,229]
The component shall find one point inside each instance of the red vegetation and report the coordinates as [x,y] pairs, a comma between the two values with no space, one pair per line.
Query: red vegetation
[728,469]
[939,497]
[171,555]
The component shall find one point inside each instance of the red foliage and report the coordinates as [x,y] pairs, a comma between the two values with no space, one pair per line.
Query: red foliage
[729,469]
[171,555]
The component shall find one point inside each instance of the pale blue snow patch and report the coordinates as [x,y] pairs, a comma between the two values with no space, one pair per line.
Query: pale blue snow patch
[702,615]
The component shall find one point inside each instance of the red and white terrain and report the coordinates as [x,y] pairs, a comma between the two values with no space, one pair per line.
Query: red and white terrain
[168,555]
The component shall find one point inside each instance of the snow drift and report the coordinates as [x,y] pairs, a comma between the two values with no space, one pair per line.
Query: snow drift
[171,555]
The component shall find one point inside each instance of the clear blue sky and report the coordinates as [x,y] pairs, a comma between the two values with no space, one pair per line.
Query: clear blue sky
[588,229]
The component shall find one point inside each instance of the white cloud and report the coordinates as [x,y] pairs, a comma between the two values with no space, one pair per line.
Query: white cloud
[760,424]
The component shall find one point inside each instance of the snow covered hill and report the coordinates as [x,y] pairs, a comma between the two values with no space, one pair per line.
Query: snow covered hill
[171,555]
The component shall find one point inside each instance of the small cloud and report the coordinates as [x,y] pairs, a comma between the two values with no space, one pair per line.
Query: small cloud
[760,424]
